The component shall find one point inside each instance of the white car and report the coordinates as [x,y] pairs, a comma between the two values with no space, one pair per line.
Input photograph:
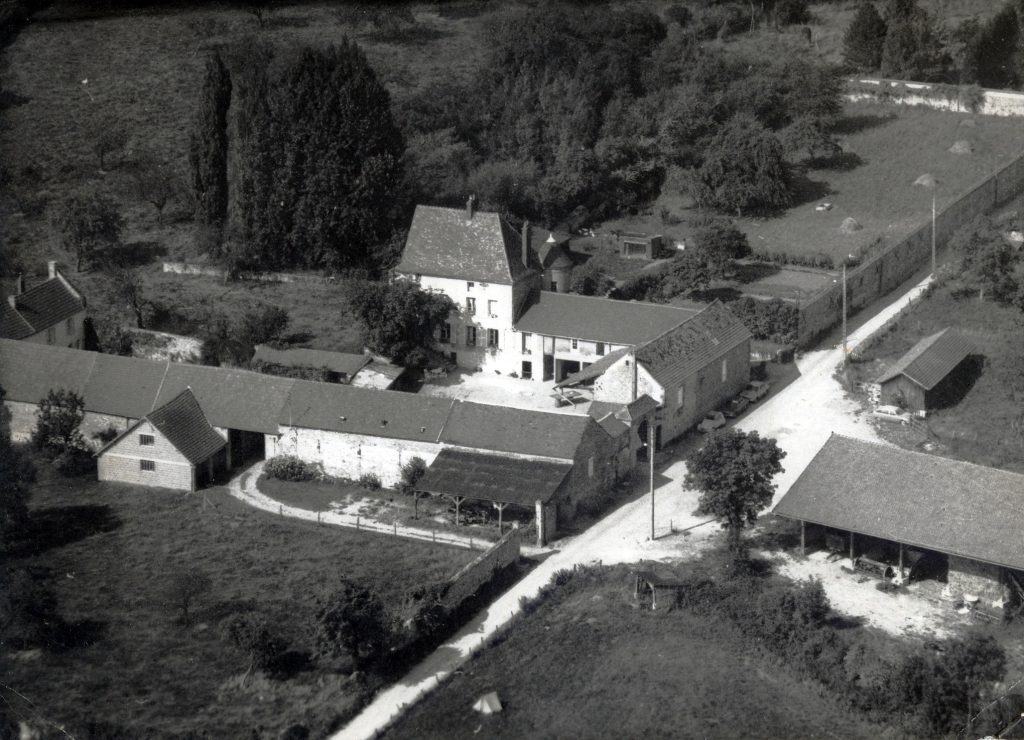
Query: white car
[891,413]
[756,390]
[711,422]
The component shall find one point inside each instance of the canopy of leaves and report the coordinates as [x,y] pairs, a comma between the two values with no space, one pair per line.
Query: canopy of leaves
[988,262]
[734,472]
[862,43]
[60,415]
[718,243]
[994,51]
[88,221]
[208,144]
[912,49]
[351,620]
[399,320]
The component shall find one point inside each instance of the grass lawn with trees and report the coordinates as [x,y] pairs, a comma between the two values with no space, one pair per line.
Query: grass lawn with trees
[111,555]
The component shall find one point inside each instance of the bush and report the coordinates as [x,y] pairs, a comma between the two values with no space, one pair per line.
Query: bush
[775,320]
[412,471]
[250,634]
[105,435]
[790,12]
[370,481]
[291,468]
[75,462]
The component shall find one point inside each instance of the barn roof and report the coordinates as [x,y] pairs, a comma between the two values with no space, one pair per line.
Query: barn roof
[29,370]
[599,319]
[910,497]
[182,422]
[931,359]
[497,478]
[338,362]
[519,431]
[594,369]
[123,386]
[443,242]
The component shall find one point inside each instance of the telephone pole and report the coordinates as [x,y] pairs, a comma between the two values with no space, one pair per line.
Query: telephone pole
[844,313]
[933,235]
[650,455]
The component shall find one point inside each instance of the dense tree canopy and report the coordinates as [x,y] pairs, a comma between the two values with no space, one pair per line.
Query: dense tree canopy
[88,221]
[399,320]
[862,43]
[208,144]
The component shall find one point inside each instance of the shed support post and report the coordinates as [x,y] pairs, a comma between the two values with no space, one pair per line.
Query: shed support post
[501,510]
[901,561]
[458,505]
[851,549]
[803,537]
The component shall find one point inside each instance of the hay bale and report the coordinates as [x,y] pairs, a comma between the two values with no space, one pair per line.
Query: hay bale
[968,123]
[963,146]
[850,225]
[926,180]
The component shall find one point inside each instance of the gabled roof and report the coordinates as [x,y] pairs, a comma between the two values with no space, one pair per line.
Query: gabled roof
[28,371]
[496,478]
[182,422]
[123,386]
[443,242]
[931,359]
[342,408]
[553,253]
[518,431]
[48,304]
[338,362]
[682,351]
[12,324]
[594,369]
[910,497]
[599,319]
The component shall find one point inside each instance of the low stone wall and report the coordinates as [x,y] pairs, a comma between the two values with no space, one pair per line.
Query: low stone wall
[186,268]
[473,576]
[943,97]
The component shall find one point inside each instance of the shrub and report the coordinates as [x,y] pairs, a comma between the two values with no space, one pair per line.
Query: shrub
[75,462]
[370,481]
[250,634]
[105,435]
[412,471]
[290,467]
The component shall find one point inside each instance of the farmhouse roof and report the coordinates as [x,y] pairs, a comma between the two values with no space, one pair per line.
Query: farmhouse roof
[12,324]
[444,242]
[594,369]
[378,413]
[931,359]
[29,370]
[338,362]
[497,478]
[599,319]
[42,306]
[517,431]
[918,499]
[182,422]
[123,386]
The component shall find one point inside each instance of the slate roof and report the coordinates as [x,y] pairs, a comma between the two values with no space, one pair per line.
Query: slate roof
[46,305]
[12,324]
[682,351]
[442,242]
[910,497]
[552,253]
[377,374]
[494,478]
[182,422]
[931,359]
[338,362]
[342,408]
[29,370]
[123,386]
[599,319]
[505,429]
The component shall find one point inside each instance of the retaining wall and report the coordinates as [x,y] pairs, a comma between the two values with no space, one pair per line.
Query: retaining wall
[187,268]
[474,575]
[943,97]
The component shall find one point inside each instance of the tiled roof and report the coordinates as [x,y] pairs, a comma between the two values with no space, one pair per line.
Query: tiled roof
[28,371]
[496,478]
[931,359]
[505,429]
[182,422]
[123,386]
[682,351]
[342,408]
[910,497]
[594,369]
[12,324]
[552,253]
[443,242]
[338,362]
[48,304]
[599,319]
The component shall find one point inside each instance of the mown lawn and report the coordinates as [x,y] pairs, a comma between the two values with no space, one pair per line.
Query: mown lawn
[590,664]
[108,551]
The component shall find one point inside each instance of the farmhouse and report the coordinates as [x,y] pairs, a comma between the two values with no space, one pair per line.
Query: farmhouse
[902,507]
[51,312]
[505,321]
[932,374]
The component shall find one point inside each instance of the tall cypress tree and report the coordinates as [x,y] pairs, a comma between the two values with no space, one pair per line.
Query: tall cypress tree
[996,48]
[862,44]
[208,144]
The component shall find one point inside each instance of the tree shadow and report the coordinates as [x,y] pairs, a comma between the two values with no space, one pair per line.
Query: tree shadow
[10,99]
[132,254]
[749,272]
[81,634]
[845,622]
[63,525]
[856,123]
[805,190]
[297,337]
[413,36]
[840,162]
[290,663]
[724,294]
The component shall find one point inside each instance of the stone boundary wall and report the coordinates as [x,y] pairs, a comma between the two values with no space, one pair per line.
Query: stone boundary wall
[943,97]
[887,269]
[187,268]
[468,581]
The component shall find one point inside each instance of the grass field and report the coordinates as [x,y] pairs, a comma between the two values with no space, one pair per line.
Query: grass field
[590,664]
[986,426]
[108,551]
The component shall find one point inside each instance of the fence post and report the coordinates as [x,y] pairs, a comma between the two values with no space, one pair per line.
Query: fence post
[433,535]
[396,527]
[318,517]
[471,542]
[280,509]
[357,521]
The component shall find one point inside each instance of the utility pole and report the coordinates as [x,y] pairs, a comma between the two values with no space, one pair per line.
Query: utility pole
[650,455]
[933,235]
[844,314]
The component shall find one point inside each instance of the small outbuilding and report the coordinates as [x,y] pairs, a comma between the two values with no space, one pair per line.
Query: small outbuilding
[556,262]
[644,246]
[171,447]
[932,374]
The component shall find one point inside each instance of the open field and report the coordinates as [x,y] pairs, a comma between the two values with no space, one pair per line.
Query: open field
[986,426]
[589,663]
[108,553]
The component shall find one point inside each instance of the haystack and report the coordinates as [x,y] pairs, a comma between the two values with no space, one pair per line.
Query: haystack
[926,180]
[968,123]
[963,146]
[850,225]
[489,703]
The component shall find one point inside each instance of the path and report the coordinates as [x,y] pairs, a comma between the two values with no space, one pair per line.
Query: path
[801,416]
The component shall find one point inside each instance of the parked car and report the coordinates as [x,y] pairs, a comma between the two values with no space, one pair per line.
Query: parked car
[736,406]
[756,390]
[891,413]
[714,420]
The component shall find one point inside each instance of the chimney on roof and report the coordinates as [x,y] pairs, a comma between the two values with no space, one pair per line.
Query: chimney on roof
[52,268]
[526,243]
[19,284]
[10,300]
[470,207]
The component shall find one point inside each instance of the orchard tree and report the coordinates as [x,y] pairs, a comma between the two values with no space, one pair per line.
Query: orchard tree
[911,49]
[399,320]
[733,472]
[744,169]
[156,183]
[88,222]
[862,43]
[718,243]
[108,135]
[251,634]
[185,588]
[208,144]
[351,620]
[60,415]
[127,289]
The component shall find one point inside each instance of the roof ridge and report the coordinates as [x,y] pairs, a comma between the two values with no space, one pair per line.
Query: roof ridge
[159,388]
[924,455]
[667,331]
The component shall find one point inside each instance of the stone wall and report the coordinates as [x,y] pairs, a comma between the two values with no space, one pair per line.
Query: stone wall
[475,574]
[943,97]
[24,419]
